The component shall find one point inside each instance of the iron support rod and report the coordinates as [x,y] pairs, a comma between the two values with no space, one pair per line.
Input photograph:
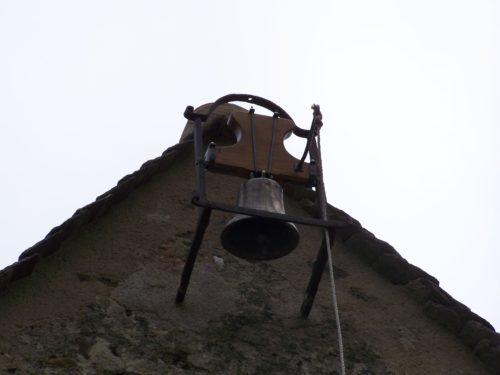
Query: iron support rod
[322,257]
[270,215]
[320,185]
[254,139]
[271,148]
[199,158]
[316,274]
[203,212]
[203,220]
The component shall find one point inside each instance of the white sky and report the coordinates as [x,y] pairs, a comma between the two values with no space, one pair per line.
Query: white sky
[89,90]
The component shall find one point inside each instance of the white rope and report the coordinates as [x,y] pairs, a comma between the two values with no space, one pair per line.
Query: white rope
[330,265]
[334,299]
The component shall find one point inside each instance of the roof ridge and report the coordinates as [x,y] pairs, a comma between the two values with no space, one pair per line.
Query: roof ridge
[52,241]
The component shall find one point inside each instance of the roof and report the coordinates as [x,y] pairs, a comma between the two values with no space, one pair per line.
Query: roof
[436,303]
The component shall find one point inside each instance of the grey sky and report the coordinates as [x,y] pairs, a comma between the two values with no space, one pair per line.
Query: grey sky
[89,90]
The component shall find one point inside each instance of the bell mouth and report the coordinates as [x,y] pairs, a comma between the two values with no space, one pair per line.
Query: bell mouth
[255,238]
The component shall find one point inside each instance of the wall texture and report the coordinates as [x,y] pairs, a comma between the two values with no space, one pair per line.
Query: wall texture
[99,298]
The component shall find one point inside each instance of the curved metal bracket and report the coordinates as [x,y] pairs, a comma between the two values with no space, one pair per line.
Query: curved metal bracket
[190,114]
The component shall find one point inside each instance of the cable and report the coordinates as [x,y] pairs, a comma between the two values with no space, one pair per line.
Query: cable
[334,299]
[329,246]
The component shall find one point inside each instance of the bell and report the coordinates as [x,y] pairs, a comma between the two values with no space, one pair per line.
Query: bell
[258,238]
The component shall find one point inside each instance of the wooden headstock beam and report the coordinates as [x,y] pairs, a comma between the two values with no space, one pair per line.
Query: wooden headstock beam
[238,158]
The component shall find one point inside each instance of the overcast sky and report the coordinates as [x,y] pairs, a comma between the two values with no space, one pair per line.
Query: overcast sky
[89,90]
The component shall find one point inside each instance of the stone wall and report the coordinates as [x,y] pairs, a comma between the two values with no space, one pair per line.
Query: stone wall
[99,298]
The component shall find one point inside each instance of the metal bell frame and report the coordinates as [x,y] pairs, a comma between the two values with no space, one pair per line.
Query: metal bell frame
[200,200]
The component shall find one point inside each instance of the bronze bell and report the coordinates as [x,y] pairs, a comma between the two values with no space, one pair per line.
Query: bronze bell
[258,238]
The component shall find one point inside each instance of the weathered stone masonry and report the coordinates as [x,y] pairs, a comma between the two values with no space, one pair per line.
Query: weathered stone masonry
[99,296]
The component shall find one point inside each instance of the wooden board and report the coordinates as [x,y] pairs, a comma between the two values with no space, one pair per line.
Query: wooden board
[238,158]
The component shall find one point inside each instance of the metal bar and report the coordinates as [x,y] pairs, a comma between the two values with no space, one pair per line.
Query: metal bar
[203,220]
[199,158]
[320,186]
[252,99]
[322,257]
[203,212]
[271,147]
[317,272]
[315,124]
[310,137]
[254,140]
[323,254]
[270,215]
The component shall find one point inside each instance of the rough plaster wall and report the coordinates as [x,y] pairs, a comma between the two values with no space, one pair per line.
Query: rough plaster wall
[103,304]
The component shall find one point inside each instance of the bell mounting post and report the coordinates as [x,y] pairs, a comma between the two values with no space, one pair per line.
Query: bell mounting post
[260,156]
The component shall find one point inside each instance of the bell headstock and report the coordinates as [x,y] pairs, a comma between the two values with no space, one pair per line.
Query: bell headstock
[260,149]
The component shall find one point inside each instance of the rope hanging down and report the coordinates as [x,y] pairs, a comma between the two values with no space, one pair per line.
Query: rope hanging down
[317,123]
